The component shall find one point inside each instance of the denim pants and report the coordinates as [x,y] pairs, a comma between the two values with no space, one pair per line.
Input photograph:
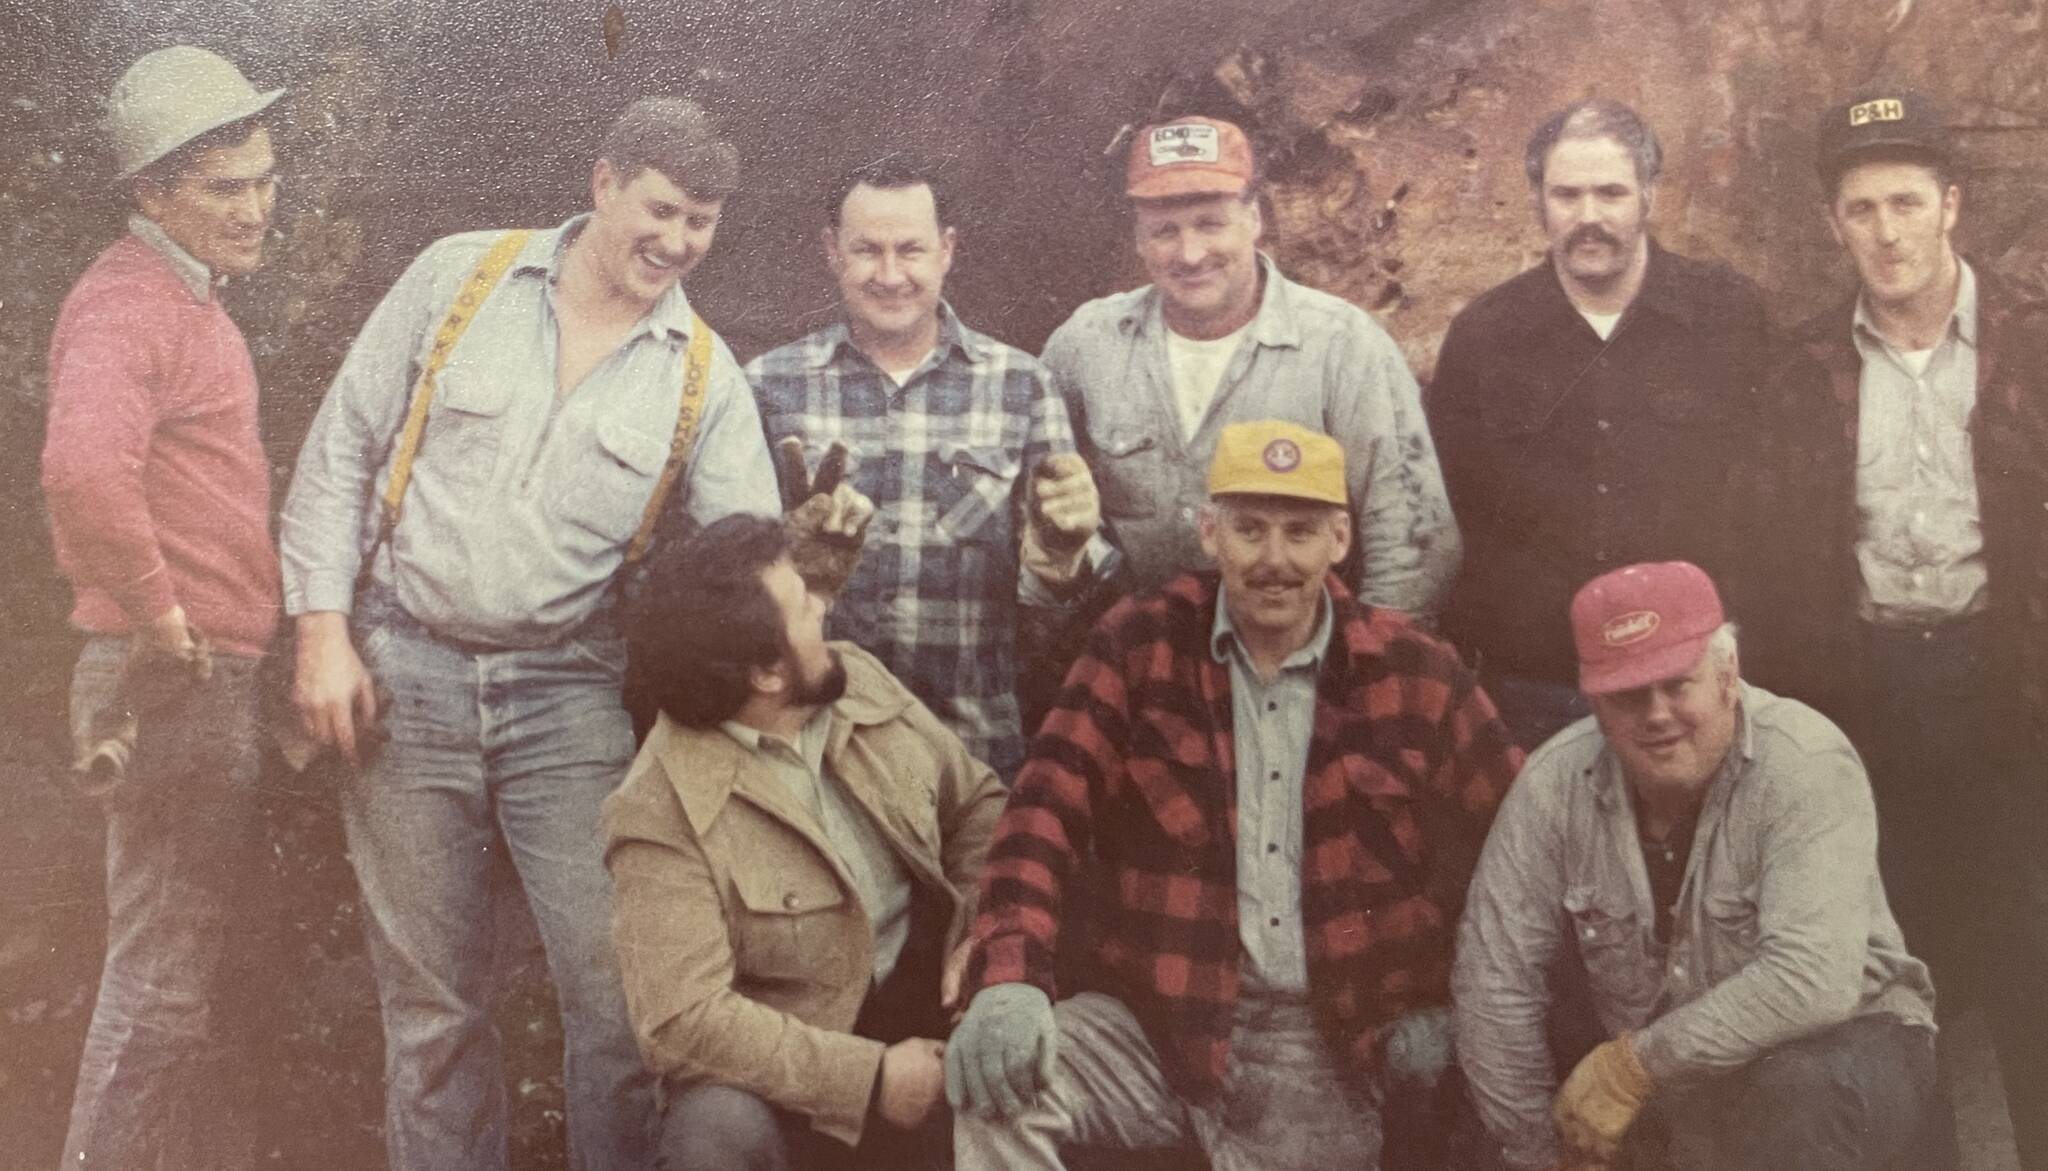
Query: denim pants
[157,1083]
[527,744]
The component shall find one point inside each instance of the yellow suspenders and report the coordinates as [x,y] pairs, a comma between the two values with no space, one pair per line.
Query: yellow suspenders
[488,272]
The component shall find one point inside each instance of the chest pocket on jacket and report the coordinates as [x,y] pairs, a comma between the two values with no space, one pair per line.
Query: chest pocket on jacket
[465,425]
[1129,469]
[973,492]
[1732,917]
[614,476]
[1609,940]
[790,925]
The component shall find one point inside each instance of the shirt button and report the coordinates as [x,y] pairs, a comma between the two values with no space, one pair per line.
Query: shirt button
[1272,847]
[1271,706]
[1187,513]
[1274,775]
[1678,971]
[1604,425]
[1273,922]
[1600,488]
[789,901]
[1600,555]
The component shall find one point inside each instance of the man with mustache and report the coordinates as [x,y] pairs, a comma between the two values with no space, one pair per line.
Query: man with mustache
[795,851]
[1218,910]
[1593,411]
[495,448]
[1153,375]
[959,441]
[1699,859]
[159,498]
[1906,520]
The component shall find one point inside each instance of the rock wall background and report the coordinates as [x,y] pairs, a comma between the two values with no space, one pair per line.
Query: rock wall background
[1393,131]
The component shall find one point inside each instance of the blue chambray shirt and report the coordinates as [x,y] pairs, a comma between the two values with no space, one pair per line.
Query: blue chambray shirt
[1270,728]
[945,458]
[522,500]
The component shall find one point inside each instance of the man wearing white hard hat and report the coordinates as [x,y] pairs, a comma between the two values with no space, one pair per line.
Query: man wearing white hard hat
[159,499]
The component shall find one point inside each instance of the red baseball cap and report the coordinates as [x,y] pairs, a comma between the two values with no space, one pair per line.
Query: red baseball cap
[1188,156]
[1643,623]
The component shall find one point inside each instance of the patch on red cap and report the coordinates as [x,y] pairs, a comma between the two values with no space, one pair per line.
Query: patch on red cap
[1282,455]
[1634,626]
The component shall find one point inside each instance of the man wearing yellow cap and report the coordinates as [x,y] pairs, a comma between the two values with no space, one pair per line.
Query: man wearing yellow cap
[1233,858]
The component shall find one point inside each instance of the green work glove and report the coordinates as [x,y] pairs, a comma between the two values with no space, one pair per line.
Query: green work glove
[1000,1054]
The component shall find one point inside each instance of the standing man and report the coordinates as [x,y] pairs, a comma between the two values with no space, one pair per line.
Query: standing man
[1260,801]
[1701,857]
[1152,376]
[956,437]
[535,392]
[159,499]
[1591,412]
[1906,517]
[795,851]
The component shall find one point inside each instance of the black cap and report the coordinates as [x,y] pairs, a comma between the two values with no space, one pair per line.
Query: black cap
[1893,120]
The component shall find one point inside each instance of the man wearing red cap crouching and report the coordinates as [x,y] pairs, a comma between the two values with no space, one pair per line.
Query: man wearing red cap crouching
[1700,859]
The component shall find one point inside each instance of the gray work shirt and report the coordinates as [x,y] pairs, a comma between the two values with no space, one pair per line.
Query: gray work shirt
[1270,727]
[1309,358]
[1781,927]
[523,499]
[1919,543]
[880,879]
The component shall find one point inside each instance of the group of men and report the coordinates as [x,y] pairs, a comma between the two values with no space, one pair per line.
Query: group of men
[1263,882]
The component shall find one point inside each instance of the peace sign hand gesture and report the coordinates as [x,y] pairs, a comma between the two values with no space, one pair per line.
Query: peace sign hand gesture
[827,518]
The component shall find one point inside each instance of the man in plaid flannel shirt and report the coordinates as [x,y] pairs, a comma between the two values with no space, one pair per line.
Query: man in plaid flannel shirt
[951,434]
[1273,796]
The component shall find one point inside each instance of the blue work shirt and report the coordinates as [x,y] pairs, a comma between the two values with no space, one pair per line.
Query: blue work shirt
[523,499]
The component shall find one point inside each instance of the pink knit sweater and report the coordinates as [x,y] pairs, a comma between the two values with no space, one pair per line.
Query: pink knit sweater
[155,477]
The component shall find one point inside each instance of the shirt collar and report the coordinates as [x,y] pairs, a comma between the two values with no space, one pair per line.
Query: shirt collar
[1223,634]
[1275,324]
[835,341]
[1962,320]
[545,253]
[810,742]
[195,275]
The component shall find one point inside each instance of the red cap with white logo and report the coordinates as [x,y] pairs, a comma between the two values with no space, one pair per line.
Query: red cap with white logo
[1643,623]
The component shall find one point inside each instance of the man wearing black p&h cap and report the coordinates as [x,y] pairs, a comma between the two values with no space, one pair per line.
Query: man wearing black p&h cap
[1904,507]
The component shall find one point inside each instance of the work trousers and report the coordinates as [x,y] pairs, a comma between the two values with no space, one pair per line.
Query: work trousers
[523,744]
[163,1081]
[1285,1105]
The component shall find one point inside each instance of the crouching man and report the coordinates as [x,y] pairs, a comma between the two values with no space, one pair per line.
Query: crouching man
[792,854]
[1259,800]
[1700,858]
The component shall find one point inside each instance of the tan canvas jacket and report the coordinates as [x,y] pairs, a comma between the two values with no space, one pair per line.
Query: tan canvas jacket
[745,950]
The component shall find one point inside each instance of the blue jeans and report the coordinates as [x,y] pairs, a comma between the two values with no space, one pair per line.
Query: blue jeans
[526,743]
[184,853]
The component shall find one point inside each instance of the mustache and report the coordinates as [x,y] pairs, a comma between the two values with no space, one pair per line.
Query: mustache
[1260,581]
[1590,233]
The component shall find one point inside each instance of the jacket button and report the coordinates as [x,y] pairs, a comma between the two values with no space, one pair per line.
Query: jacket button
[789,902]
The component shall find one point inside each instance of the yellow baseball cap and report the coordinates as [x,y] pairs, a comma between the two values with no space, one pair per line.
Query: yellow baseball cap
[1275,458]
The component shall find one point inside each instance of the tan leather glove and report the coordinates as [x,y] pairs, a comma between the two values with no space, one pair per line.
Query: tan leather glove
[1600,1099]
[827,518]
[1064,512]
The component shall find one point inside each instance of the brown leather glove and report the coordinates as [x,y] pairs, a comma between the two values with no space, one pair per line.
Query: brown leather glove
[827,518]
[1600,1099]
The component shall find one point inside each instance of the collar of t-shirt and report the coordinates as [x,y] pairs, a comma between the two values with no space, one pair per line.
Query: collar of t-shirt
[1602,323]
[901,374]
[1198,366]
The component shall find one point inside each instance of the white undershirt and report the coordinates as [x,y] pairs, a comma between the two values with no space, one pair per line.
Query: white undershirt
[1198,366]
[1917,360]
[901,374]
[1602,323]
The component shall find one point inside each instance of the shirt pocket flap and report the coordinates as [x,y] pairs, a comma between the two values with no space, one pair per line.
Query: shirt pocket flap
[1117,442]
[1598,920]
[982,480]
[637,449]
[472,392]
[787,890]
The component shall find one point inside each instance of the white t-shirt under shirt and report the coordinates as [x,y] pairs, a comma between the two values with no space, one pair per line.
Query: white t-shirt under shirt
[1602,323]
[1198,366]
[902,375]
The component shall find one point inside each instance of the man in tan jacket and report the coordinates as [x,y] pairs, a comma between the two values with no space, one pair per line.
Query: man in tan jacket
[793,853]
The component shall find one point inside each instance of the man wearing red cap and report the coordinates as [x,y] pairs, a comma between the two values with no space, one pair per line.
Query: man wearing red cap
[1152,376]
[1699,859]
[1234,858]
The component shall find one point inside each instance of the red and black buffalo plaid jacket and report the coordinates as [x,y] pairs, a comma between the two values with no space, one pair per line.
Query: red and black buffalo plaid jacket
[1130,793]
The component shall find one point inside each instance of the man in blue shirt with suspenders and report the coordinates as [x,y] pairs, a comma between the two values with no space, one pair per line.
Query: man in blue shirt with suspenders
[495,450]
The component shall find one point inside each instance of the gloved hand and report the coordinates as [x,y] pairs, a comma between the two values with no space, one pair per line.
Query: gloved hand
[1599,1100]
[1001,1053]
[827,518]
[1065,511]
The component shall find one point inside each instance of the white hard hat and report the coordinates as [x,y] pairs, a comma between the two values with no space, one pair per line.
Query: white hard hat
[172,96]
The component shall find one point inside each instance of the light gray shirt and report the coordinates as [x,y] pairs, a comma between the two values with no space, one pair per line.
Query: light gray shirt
[1309,358]
[1781,927]
[878,875]
[523,499]
[1919,544]
[1270,727]
[190,269]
